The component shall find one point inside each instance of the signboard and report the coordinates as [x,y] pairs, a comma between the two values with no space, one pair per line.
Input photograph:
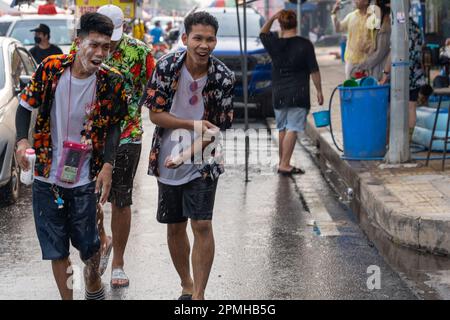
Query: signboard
[127,6]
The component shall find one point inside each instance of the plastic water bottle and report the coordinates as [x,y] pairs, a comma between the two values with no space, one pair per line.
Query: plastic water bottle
[27,177]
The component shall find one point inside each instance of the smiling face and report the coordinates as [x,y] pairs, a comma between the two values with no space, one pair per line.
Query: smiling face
[200,42]
[93,50]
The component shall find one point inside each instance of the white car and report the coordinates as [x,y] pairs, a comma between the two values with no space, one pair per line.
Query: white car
[62,29]
[16,67]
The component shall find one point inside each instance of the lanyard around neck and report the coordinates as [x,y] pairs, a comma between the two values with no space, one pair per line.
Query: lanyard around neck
[70,96]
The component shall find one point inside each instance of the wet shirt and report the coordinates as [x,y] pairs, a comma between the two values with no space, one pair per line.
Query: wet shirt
[361,40]
[293,60]
[217,99]
[110,107]
[174,141]
[40,54]
[135,62]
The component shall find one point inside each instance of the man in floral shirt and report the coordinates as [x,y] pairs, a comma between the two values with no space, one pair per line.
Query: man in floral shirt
[190,95]
[80,104]
[134,60]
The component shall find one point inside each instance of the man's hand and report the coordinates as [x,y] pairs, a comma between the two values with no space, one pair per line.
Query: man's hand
[277,15]
[21,156]
[337,7]
[173,162]
[384,80]
[320,98]
[104,181]
[206,125]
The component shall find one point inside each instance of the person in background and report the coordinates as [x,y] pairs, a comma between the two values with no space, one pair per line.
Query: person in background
[293,63]
[157,33]
[47,8]
[416,70]
[43,47]
[359,38]
[376,60]
[133,59]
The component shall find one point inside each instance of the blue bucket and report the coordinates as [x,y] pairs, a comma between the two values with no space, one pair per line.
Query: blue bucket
[364,121]
[322,118]
[368,82]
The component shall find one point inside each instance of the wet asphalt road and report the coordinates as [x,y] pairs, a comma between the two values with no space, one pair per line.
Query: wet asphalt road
[265,245]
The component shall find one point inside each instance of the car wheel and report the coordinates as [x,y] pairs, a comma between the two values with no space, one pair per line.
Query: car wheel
[12,189]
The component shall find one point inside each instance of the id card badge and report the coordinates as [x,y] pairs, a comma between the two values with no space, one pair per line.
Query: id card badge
[72,161]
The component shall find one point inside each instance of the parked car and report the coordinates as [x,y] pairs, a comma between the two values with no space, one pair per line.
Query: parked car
[228,51]
[62,29]
[16,67]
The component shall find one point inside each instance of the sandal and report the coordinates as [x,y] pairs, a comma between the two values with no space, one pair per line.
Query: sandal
[119,274]
[294,170]
[105,257]
[186,296]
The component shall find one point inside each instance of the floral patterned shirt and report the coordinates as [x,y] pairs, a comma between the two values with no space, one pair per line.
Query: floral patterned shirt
[109,108]
[217,98]
[416,74]
[134,60]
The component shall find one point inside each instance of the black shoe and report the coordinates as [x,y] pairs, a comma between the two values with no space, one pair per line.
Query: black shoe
[185,296]
[293,171]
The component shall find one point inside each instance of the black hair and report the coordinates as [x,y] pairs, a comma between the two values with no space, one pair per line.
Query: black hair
[201,17]
[385,9]
[95,22]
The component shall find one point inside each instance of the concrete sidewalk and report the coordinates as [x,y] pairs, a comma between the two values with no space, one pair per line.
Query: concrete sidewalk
[409,203]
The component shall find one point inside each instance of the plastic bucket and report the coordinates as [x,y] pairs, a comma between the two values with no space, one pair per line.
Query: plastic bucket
[364,113]
[322,118]
[350,83]
[368,82]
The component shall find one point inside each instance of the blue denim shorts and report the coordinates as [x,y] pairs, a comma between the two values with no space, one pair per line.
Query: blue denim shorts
[75,222]
[291,119]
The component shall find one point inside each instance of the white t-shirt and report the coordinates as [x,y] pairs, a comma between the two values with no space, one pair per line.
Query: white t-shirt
[170,144]
[82,95]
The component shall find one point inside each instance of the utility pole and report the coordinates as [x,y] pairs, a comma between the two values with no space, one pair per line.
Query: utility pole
[299,17]
[266,8]
[399,126]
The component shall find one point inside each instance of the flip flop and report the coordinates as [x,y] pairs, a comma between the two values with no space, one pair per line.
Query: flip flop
[186,296]
[294,170]
[119,274]
[105,258]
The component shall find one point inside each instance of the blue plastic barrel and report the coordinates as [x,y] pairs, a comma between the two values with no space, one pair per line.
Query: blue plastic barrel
[364,112]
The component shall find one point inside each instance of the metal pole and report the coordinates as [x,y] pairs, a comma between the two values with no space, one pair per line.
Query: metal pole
[266,8]
[244,79]
[399,124]
[299,17]
[245,89]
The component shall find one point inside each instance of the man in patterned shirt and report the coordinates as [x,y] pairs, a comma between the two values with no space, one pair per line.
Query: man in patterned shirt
[80,103]
[135,62]
[190,94]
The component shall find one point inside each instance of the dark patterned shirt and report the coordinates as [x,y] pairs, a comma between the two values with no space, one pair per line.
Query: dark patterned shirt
[110,107]
[416,74]
[217,97]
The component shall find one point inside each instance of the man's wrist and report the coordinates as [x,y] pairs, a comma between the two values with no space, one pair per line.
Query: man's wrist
[22,144]
[108,166]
